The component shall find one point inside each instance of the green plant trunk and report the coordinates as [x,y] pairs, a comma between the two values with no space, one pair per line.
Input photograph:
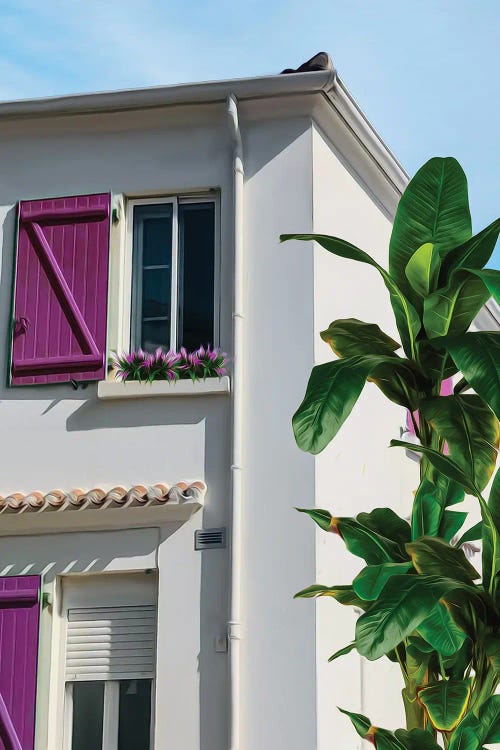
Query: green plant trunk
[415,717]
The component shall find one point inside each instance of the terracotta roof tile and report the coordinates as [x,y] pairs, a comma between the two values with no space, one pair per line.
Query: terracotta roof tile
[99,498]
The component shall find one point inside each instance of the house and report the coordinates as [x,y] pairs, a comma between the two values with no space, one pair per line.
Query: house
[149,549]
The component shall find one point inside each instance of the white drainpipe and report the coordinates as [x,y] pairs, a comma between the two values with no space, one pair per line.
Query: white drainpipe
[234,624]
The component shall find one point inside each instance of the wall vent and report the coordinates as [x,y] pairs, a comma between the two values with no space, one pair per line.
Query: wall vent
[210,538]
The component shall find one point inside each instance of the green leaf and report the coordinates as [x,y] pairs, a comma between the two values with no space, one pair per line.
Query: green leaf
[365,542]
[400,381]
[342,652]
[441,631]
[323,518]
[477,355]
[491,280]
[427,511]
[369,583]
[442,463]
[451,523]
[416,739]
[445,702]
[451,310]
[471,430]
[429,505]
[404,603]
[332,391]
[361,724]
[422,270]
[474,253]
[351,337]
[434,208]
[472,535]
[342,594]
[464,739]
[407,318]
[489,720]
[432,556]
[492,651]
[387,523]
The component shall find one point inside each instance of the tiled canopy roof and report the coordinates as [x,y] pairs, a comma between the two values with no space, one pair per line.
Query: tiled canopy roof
[99,499]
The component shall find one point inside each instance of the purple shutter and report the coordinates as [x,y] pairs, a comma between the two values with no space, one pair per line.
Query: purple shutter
[61,290]
[19,621]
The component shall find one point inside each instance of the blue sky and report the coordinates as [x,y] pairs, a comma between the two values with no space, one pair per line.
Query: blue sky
[426,72]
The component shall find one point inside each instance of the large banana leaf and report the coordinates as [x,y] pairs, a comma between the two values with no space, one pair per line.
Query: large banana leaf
[323,518]
[489,720]
[491,280]
[471,430]
[342,652]
[445,702]
[442,463]
[369,583]
[429,506]
[483,729]
[441,631]
[451,310]
[331,393]
[434,208]
[451,523]
[403,605]
[464,739]
[477,355]
[361,724]
[382,739]
[474,253]
[422,270]
[471,535]
[416,739]
[434,557]
[407,318]
[365,540]
[387,523]
[342,594]
[351,337]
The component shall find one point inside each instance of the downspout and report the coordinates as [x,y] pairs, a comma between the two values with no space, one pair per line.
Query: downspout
[234,623]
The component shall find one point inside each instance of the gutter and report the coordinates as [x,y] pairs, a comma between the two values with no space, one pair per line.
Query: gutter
[165,96]
[235,610]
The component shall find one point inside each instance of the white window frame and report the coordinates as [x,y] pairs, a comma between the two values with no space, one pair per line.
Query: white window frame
[124,590]
[120,318]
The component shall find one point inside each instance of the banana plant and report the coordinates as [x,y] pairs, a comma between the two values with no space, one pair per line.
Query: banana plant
[423,604]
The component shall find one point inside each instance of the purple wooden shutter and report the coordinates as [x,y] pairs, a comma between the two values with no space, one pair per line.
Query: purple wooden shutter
[19,621]
[60,307]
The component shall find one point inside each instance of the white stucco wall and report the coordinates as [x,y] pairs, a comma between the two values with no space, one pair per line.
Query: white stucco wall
[358,471]
[55,437]
[278,650]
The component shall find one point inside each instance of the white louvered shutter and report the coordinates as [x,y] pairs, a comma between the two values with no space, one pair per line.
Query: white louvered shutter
[111,643]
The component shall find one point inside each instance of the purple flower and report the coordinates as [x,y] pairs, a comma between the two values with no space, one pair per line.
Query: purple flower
[143,366]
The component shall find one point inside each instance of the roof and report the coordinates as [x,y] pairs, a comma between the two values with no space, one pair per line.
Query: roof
[99,499]
[325,83]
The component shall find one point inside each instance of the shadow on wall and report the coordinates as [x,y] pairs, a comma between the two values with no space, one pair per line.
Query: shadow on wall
[85,552]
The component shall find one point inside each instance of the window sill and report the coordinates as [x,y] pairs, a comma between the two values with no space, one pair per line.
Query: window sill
[107,389]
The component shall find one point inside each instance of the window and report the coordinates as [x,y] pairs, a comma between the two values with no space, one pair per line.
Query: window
[110,662]
[173,273]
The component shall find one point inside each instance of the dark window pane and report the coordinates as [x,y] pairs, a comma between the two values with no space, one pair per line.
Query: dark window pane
[134,730]
[88,710]
[196,274]
[151,287]
[156,237]
[155,293]
[155,333]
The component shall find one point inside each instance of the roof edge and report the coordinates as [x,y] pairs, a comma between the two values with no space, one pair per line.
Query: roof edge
[161,96]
